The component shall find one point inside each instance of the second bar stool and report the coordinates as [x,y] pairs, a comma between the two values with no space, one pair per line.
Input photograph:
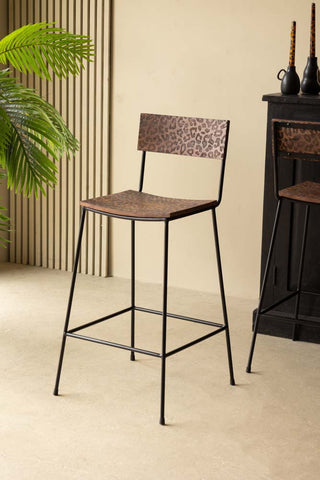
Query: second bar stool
[195,137]
[296,141]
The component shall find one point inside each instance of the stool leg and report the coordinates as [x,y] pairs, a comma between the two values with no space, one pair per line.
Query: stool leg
[222,294]
[75,268]
[133,274]
[164,323]
[301,263]
[264,281]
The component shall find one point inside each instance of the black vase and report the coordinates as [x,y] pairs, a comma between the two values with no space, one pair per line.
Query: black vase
[290,82]
[310,84]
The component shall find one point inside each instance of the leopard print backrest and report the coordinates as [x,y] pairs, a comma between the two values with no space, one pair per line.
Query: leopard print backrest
[296,139]
[196,137]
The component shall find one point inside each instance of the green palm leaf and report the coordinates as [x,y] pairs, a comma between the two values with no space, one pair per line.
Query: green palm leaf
[33,136]
[41,46]
[4,225]
[4,220]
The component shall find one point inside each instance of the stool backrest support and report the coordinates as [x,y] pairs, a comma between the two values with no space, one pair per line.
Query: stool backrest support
[195,137]
[296,140]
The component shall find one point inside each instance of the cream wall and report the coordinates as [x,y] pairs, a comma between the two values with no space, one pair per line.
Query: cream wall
[4,197]
[203,58]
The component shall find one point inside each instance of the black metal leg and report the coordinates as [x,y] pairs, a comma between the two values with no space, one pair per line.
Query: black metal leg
[132,356]
[223,298]
[266,271]
[303,249]
[75,268]
[164,323]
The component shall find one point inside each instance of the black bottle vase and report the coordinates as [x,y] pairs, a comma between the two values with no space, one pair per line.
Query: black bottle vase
[290,82]
[310,84]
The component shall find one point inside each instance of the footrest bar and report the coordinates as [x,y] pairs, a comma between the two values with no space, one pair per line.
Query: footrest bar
[94,322]
[113,344]
[290,319]
[180,317]
[306,292]
[194,342]
[267,309]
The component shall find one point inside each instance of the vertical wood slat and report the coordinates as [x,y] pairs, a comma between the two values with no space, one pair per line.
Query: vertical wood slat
[84,140]
[12,203]
[57,205]
[71,27]
[91,142]
[32,15]
[46,229]
[50,195]
[44,199]
[105,82]
[63,168]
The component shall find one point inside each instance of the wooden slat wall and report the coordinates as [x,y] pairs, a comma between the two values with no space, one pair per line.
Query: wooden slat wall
[45,229]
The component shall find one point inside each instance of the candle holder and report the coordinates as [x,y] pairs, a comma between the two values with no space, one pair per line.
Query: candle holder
[290,82]
[310,83]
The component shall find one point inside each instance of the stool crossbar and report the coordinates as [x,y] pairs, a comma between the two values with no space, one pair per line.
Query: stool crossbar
[162,134]
[219,328]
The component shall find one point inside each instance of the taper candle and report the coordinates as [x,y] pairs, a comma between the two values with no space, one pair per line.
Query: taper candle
[313,31]
[292,45]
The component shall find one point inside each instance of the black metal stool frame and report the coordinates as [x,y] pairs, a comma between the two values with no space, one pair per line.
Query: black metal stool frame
[164,354]
[295,320]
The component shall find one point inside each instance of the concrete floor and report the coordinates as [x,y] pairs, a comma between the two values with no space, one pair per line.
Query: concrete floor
[105,423]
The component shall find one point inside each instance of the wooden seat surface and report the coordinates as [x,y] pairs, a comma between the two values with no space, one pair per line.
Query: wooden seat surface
[302,192]
[131,203]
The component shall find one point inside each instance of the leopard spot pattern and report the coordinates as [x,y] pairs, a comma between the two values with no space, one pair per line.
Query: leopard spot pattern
[197,137]
[297,140]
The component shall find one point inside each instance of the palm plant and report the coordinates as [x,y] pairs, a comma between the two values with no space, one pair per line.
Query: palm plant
[33,135]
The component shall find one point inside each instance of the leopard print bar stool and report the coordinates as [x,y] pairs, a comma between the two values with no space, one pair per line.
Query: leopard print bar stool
[297,142]
[195,137]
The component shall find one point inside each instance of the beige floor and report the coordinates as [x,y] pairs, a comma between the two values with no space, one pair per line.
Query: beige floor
[105,423]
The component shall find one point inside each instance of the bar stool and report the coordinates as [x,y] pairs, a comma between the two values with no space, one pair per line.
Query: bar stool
[296,141]
[194,137]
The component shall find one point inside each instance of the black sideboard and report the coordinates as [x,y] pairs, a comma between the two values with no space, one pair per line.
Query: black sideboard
[283,271]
